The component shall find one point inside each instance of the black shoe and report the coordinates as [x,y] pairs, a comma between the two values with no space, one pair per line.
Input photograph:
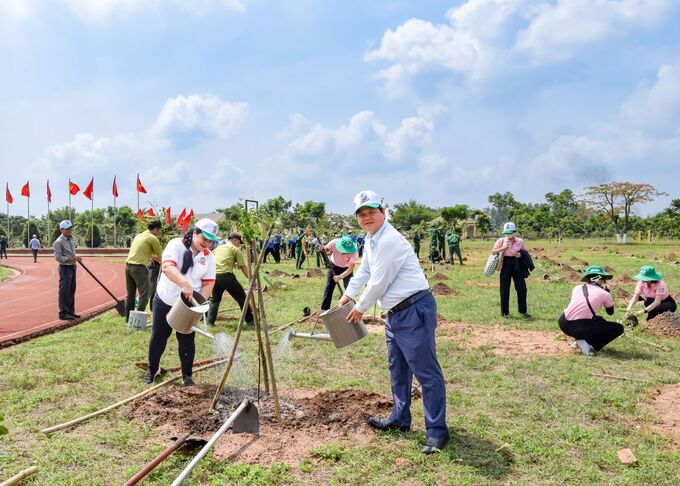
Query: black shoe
[434,445]
[526,315]
[66,317]
[505,316]
[149,377]
[76,316]
[187,380]
[383,424]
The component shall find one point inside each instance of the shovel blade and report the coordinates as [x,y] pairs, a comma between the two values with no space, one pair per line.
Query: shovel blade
[120,308]
[247,421]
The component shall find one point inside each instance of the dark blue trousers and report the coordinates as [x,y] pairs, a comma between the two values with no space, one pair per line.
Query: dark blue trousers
[67,289]
[411,351]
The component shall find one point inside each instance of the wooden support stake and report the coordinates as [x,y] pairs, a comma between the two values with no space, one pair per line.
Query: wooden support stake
[658,346]
[603,375]
[237,336]
[18,477]
[268,350]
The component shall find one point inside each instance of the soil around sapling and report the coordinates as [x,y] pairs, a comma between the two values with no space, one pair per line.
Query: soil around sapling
[443,289]
[310,419]
[664,325]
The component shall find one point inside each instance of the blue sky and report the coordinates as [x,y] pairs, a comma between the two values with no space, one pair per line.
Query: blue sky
[443,102]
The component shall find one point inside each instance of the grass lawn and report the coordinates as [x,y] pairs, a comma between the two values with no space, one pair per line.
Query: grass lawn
[540,420]
[4,272]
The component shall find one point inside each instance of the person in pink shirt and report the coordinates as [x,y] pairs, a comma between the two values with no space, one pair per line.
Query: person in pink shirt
[652,290]
[580,320]
[343,258]
[511,246]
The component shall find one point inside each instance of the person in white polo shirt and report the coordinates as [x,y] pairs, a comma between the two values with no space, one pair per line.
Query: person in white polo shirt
[395,280]
[187,265]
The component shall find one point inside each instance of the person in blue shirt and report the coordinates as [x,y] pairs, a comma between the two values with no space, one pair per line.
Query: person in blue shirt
[395,280]
[360,243]
[35,246]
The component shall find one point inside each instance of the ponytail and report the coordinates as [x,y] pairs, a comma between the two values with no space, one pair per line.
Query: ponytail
[188,257]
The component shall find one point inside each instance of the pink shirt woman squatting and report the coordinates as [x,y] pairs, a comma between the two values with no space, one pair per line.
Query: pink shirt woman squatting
[653,291]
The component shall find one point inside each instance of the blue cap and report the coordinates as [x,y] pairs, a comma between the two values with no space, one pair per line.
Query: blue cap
[66,224]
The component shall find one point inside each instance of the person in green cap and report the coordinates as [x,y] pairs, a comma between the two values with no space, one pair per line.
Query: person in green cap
[454,246]
[343,258]
[580,320]
[653,291]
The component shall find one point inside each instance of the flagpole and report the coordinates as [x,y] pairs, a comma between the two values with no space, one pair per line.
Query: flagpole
[137,187]
[69,199]
[28,219]
[92,216]
[47,234]
[114,216]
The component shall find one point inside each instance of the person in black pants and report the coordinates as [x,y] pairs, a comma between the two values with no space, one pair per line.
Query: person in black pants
[154,273]
[511,269]
[65,254]
[343,253]
[580,320]
[226,257]
[653,291]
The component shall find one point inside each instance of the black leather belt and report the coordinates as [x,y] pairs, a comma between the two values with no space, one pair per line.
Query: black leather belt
[409,301]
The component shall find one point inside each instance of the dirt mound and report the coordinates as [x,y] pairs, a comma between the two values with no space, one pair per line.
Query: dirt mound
[623,279]
[567,268]
[443,289]
[620,293]
[310,419]
[609,269]
[439,276]
[664,325]
[537,249]
[504,341]
[672,257]
[474,283]
[578,261]
[279,273]
[664,404]
[571,277]
[314,272]
[373,321]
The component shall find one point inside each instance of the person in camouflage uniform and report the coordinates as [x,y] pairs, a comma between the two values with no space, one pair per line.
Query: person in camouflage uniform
[454,246]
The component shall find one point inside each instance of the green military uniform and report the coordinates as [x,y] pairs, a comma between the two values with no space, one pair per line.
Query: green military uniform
[300,251]
[441,235]
[144,246]
[434,254]
[416,244]
[454,247]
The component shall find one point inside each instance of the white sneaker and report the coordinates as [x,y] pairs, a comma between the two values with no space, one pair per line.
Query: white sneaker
[584,347]
[574,345]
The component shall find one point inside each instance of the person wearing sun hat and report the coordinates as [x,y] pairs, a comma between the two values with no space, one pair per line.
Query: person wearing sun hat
[511,247]
[580,320]
[343,258]
[187,265]
[653,291]
[395,280]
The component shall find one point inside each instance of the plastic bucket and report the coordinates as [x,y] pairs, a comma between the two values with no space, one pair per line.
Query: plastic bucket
[184,314]
[138,320]
[341,330]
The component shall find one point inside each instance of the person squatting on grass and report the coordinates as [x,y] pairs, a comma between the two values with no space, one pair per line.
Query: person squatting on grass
[226,257]
[512,268]
[653,291]
[394,278]
[343,253]
[187,265]
[580,320]
[144,249]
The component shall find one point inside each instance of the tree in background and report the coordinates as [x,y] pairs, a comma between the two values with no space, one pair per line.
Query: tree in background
[616,199]
[563,208]
[501,205]
[34,228]
[409,214]
[454,215]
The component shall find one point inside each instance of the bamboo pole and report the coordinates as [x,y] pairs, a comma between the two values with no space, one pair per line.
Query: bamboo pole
[286,326]
[78,420]
[268,351]
[239,328]
[18,477]
[262,360]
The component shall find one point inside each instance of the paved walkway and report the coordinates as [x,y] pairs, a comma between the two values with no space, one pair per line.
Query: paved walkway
[29,305]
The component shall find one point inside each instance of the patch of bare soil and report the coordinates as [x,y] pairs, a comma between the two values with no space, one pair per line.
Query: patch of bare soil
[504,341]
[664,325]
[663,403]
[309,419]
[672,257]
[609,269]
[620,293]
[567,268]
[439,276]
[278,273]
[314,272]
[578,261]
[623,279]
[443,289]
[536,249]
[571,277]
[491,283]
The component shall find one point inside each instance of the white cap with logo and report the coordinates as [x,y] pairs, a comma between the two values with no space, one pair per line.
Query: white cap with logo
[367,198]
[208,227]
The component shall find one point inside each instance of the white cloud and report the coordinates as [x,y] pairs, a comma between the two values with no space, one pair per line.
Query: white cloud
[483,37]
[658,105]
[88,150]
[187,119]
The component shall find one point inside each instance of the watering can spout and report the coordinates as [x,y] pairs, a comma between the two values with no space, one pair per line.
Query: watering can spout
[202,332]
[315,337]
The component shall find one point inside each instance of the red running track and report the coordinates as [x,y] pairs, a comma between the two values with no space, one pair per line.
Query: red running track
[29,302]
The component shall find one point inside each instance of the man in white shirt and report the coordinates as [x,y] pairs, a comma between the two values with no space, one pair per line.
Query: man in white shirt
[395,280]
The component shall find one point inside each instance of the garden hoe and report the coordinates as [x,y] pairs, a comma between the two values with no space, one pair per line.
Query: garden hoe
[120,305]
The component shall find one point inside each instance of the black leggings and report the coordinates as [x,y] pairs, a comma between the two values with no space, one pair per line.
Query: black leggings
[160,332]
[597,332]
[510,271]
[330,285]
[666,305]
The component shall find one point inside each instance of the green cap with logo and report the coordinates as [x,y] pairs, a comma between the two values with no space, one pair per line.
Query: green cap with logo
[595,270]
[648,274]
[346,245]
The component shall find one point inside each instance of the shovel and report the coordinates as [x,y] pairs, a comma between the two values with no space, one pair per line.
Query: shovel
[120,305]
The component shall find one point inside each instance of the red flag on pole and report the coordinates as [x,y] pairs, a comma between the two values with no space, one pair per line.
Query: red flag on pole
[187,221]
[114,189]
[73,188]
[89,190]
[150,212]
[49,192]
[180,218]
[140,187]
[8,195]
[26,190]
[140,214]
[168,218]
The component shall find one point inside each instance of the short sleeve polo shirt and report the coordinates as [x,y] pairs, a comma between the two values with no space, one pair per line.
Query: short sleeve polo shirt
[202,272]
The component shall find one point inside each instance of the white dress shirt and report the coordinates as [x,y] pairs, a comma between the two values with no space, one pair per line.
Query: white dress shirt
[390,270]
